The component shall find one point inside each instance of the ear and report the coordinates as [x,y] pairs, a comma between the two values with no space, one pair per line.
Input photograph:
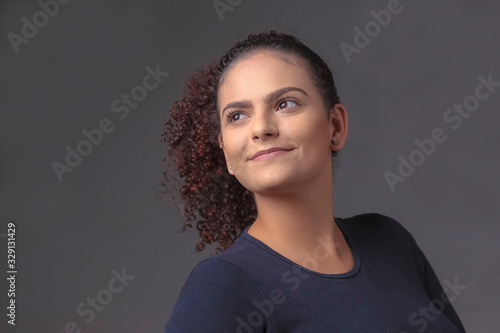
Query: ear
[225,156]
[220,140]
[338,126]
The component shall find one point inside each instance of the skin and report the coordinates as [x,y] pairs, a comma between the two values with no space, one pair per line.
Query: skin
[293,191]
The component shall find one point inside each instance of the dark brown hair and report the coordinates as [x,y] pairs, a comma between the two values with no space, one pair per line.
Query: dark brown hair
[221,207]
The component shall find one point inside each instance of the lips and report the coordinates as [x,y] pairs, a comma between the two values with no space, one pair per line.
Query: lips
[270,150]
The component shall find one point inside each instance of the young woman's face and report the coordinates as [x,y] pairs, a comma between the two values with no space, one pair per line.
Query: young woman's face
[264,103]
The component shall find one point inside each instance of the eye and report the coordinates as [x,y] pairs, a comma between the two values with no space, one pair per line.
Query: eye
[231,116]
[286,104]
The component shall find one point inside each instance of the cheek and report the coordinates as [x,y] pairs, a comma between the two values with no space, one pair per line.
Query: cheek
[235,148]
[309,131]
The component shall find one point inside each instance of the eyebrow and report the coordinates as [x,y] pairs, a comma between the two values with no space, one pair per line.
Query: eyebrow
[268,98]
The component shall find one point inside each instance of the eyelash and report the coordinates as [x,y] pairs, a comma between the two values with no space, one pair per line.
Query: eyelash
[230,114]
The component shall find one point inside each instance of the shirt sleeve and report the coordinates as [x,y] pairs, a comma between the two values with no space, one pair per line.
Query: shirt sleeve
[429,279]
[218,297]
[435,290]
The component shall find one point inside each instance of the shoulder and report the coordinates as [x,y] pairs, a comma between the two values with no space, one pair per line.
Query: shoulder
[217,270]
[232,265]
[223,278]
[214,296]
[375,222]
[215,279]
[378,228]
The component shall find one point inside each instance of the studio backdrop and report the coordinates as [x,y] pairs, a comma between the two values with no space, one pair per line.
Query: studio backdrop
[86,87]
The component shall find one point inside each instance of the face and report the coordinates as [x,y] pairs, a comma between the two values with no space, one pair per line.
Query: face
[266,102]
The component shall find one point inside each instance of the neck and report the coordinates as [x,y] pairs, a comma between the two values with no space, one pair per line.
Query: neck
[299,220]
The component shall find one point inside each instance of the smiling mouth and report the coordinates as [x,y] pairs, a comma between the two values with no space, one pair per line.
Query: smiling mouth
[270,155]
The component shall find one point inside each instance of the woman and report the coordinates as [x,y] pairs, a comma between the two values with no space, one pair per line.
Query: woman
[255,139]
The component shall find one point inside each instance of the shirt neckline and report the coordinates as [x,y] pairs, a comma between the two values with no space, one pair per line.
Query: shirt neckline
[339,221]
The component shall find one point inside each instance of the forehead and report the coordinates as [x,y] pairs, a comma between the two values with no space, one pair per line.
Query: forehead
[263,70]
[269,56]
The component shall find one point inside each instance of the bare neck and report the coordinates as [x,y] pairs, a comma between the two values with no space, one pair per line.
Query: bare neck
[300,225]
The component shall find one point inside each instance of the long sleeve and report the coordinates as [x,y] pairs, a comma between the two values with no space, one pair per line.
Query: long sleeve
[438,295]
[217,297]
[433,287]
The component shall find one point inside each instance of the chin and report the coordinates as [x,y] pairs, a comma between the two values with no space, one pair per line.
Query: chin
[272,185]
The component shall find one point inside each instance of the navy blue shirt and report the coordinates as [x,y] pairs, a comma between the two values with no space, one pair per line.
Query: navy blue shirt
[252,288]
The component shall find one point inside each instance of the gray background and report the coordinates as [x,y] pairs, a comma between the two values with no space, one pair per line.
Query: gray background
[104,215]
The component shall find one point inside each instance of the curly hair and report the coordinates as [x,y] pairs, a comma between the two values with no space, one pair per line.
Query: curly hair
[221,207]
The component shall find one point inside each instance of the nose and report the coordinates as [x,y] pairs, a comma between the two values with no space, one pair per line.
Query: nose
[264,124]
